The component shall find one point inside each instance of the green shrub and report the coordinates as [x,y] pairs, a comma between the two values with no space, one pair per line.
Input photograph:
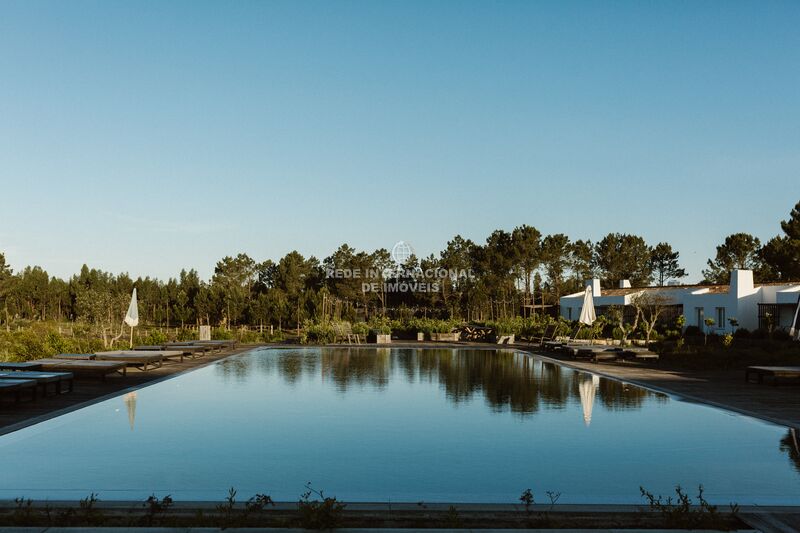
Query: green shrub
[380,325]
[317,332]
[155,338]
[221,334]
[186,334]
[360,328]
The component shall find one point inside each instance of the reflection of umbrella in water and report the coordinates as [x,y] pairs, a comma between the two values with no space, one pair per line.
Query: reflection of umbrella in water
[130,404]
[588,389]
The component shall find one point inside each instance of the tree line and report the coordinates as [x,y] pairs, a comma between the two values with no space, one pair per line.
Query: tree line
[516,273]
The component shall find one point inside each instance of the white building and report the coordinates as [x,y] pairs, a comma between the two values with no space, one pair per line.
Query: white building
[747,302]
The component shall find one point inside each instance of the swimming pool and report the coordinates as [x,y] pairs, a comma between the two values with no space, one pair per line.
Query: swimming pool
[433,425]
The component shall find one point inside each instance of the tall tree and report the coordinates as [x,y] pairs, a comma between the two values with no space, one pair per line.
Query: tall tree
[740,250]
[781,254]
[555,259]
[527,244]
[665,264]
[621,256]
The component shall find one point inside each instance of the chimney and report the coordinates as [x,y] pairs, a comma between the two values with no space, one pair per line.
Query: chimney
[594,283]
[741,282]
[624,284]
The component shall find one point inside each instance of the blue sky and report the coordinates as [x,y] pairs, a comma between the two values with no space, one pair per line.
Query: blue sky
[150,136]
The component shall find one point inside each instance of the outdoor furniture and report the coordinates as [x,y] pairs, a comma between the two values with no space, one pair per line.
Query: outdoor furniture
[189,350]
[476,333]
[29,365]
[43,379]
[138,359]
[85,368]
[639,354]
[548,334]
[775,372]
[16,387]
[75,356]
[596,353]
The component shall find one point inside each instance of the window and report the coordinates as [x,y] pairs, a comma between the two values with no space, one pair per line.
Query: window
[720,317]
[569,313]
[701,318]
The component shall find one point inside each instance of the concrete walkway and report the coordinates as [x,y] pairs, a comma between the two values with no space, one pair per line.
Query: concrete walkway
[725,389]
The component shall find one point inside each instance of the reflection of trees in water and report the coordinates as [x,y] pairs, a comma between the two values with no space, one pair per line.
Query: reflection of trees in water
[505,379]
[790,443]
[346,367]
[234,368]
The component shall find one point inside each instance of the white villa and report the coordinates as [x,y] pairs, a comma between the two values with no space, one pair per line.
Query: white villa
[747,302]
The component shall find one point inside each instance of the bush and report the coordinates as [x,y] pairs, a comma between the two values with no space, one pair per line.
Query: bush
[245,336]
[692,331]
[276,336]
[360,328]
[742,333]
[382,326]
[781,335]
[155,338]
[186,334]
[221,334]
[317,332]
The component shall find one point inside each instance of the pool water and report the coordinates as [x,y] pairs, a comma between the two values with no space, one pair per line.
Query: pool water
[399,425]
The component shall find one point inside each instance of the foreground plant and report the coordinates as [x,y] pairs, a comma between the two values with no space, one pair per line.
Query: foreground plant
[321,512]
[681,512]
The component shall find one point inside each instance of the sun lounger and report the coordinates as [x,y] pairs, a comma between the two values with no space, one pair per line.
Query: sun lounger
[75,356]
[17,387]
[775,372]
[28,365]
[547,335]
[58,379]
[84,368]
[137,359]
[190,350]
[596,353]
[639,354]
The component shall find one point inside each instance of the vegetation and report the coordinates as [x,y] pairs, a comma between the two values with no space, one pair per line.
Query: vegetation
[680,512]
[496,283]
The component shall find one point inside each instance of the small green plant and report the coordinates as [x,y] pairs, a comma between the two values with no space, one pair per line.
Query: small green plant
[226,509]
[257,503]
[154,507]
[318,511]
[88,512]
[553,497]
[527,499]
[453,519]
[23,512]
[727,340]
[709,322]
[680,512]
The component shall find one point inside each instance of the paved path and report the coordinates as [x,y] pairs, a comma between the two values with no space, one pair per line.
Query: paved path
[92,390]
[724,388]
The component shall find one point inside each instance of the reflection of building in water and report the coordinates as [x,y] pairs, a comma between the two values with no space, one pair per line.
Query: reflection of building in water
[130,405]
[588,390]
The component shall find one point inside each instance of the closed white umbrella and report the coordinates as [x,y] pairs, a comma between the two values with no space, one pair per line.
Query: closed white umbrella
[132,316]
[588,390]
[794,331]
[588,315]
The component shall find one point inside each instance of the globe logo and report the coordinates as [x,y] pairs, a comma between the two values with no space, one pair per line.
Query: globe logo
[402,252]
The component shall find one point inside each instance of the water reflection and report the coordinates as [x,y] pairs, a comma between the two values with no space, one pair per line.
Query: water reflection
[505,380]
[790,444]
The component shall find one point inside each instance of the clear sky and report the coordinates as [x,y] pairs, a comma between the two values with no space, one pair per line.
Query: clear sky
[150,136]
